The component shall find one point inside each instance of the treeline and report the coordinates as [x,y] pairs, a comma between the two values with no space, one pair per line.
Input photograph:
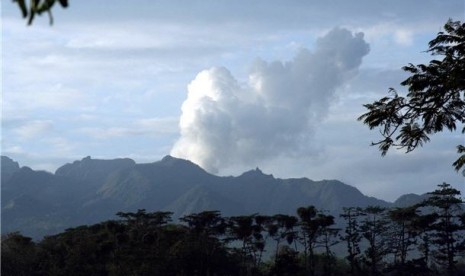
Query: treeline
[424,239]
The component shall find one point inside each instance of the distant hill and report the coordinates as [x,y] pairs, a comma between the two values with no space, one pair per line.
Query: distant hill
[410,199]
[39,203]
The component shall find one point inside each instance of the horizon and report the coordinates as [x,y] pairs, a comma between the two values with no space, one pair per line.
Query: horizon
[236,175]
[229,86]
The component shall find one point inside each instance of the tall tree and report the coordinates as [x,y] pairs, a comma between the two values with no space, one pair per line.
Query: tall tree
[403,236]
[203,241]
[374,230]
[447,229]
[422,225]
[282,227]
[145,236]
[435,100]
[352,236]
[244,229]
[328,238]
[312,224]
[286,262]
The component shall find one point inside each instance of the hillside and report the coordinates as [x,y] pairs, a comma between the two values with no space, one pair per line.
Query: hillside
[39,203]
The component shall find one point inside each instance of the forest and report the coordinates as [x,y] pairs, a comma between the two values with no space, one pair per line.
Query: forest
[423,239]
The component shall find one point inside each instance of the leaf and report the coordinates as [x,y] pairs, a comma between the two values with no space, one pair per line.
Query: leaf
[63,3]
[460,162]
[435,99]
[22,6]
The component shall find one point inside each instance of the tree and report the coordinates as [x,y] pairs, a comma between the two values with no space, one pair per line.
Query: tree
[327,241]
[352,237]
[38,7]
[435,100]
[248,231]
[281,227]
[448,229]
[403,236]
[313,225]
[18,254]
[422,225]
[202,243]
[286,262]
[374,229]
[144,241]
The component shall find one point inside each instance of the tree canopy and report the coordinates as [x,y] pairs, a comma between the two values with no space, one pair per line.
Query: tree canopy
[426,238]
[435,100]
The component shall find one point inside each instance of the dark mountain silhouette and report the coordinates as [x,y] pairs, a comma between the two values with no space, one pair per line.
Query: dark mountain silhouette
[8,167]
[38,203]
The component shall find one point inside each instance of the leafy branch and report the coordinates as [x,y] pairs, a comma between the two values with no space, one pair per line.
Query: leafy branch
[435,100]
[38,7]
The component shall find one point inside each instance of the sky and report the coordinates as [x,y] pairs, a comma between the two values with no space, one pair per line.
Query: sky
[229,85]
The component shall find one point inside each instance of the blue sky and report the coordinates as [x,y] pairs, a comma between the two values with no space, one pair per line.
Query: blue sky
[230,85]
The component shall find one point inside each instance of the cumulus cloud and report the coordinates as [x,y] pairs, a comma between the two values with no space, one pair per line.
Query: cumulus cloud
[275,113]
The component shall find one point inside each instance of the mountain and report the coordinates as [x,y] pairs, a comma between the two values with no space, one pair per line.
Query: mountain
[39,203]
[410,199]
[8,168]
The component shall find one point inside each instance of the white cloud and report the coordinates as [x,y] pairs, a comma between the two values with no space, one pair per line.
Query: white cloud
[159,126]
[34,129]
[404,37]
[60,146]
[223,124]
[153,127]
[34,96]
[13,150]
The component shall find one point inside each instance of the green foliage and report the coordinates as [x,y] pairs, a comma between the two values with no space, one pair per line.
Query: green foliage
[435,100]
[38,7]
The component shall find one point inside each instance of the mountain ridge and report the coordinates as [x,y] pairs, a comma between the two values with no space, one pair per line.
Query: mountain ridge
[90,190]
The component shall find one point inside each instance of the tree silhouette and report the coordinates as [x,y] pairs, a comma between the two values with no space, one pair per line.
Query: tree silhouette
[352,236]
[374,229]
[286,262]
[435,100]
[18,255]
[248,230]
[145,243]
[202,243]
[327,241]
[37,7]
[312,224]
[447,228]
[403,236]
[282,227]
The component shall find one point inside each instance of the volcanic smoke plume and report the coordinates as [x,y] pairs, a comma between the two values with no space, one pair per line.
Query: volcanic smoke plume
[275,114]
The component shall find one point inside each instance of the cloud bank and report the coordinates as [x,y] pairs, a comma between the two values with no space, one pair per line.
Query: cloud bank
[274,114]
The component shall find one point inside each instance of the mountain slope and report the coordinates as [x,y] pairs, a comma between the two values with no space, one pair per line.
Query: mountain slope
[92,190]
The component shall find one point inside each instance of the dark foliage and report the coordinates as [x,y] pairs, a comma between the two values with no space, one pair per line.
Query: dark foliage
[435,100]
[424,239]
[37,7]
